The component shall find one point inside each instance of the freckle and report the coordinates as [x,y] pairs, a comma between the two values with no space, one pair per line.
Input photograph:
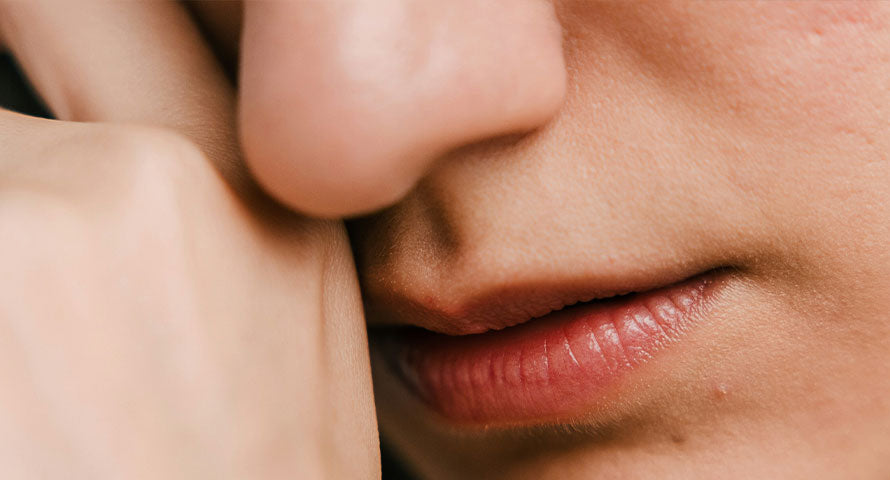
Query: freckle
[678,438]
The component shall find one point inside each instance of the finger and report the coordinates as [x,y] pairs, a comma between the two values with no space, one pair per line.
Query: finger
[132,62]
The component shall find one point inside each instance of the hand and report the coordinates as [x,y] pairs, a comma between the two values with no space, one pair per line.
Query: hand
[159,318]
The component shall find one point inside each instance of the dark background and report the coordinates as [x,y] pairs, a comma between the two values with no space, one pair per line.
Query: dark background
[17,95]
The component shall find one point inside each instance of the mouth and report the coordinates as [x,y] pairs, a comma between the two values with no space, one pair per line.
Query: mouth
[545,367]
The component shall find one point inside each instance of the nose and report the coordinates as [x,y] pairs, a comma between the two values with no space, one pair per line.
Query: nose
[345,105]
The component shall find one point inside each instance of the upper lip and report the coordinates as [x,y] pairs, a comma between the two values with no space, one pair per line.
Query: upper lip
[496,307]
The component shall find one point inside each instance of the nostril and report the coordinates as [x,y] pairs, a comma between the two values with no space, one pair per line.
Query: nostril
[345,106]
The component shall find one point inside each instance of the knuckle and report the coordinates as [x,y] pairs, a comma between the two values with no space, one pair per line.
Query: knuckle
[145,168]
[104,177]
[152,153]
[106,162]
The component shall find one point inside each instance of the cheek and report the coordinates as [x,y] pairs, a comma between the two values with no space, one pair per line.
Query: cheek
[803,91]
[811,68]
[778,110]
[764,65]
[807,86]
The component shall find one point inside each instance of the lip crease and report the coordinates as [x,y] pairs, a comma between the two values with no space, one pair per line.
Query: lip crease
[552,366]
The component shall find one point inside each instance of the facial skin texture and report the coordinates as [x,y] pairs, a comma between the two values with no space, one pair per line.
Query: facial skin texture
[567,144]
[690,135]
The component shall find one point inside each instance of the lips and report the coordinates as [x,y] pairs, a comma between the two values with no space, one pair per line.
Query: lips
[552,366]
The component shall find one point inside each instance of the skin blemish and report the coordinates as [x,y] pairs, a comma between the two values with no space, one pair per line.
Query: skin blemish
[720,391]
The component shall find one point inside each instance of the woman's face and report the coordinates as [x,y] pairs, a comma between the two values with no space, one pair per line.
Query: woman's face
[730,158]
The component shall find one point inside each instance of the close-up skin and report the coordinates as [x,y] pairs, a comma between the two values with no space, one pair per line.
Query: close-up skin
[159,317]
[747,139]
[591,239]
[741,141]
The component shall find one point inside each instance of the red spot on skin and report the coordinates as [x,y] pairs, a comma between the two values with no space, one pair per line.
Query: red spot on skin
[721,391]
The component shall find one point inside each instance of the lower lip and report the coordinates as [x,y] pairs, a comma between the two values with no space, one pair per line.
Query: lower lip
[550,367]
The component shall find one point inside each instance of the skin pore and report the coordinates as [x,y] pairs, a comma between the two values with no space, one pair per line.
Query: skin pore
[515,147]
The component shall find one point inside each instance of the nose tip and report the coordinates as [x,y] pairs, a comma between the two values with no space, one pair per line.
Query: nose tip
[345,105]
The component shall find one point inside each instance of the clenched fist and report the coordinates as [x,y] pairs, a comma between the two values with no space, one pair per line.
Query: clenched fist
[160,318]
